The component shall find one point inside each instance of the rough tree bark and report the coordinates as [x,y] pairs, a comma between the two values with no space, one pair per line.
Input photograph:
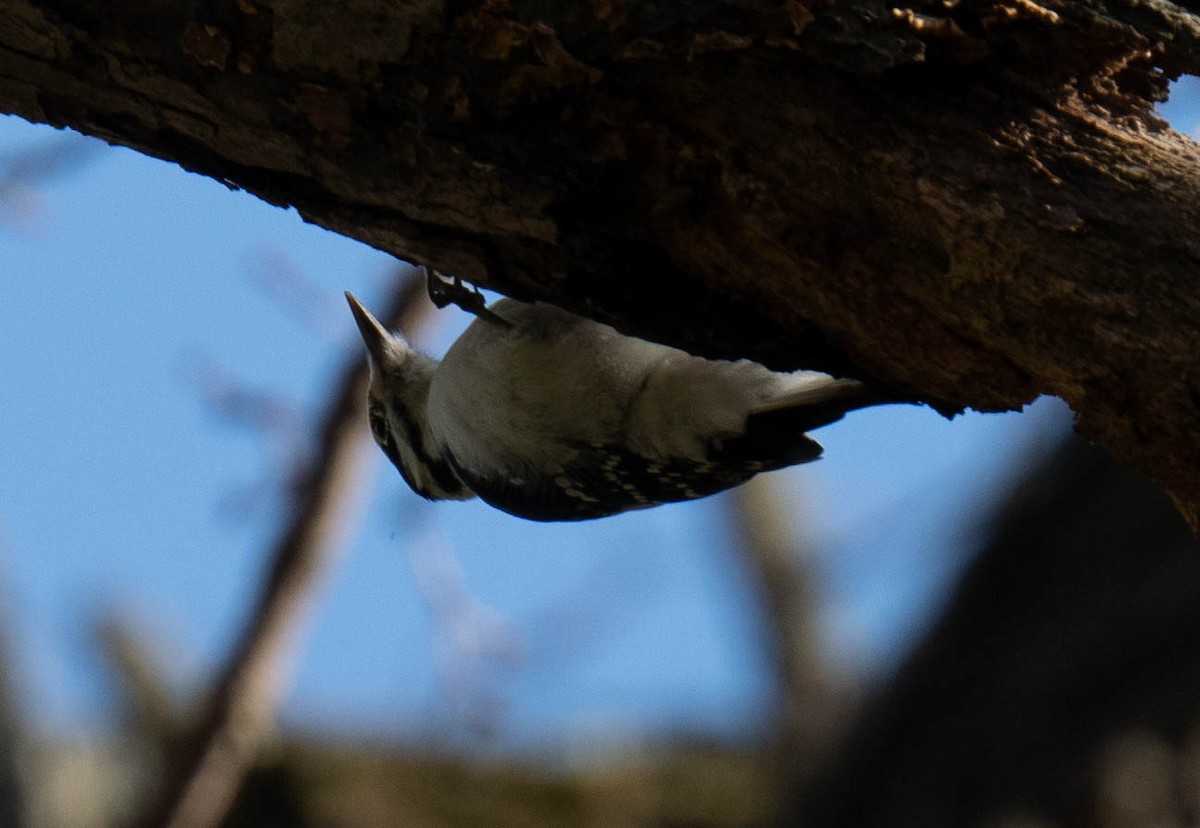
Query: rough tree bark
[970,201]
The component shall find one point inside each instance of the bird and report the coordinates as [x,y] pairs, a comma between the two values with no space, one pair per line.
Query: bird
[551,416]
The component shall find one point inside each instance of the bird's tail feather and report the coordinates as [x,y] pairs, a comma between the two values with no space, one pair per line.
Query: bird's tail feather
[819,403]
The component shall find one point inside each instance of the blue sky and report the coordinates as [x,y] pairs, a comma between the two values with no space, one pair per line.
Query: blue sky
[126,281]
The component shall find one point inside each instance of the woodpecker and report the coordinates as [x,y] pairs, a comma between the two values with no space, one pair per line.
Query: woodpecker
[550,416]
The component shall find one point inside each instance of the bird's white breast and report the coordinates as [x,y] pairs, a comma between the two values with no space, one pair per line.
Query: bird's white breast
[521,396]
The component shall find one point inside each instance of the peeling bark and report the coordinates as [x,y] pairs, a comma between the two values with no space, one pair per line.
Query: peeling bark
[971,203]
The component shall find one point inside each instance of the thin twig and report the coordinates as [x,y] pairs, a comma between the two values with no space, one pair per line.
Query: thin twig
[25,171]
[239,714]
[473,643]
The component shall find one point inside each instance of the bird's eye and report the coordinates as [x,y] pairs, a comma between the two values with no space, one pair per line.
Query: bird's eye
[379,427]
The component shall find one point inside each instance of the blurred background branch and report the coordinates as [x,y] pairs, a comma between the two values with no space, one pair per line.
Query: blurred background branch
[778,561]
[238,716]
[25,171]
[1071,650]
[12,796]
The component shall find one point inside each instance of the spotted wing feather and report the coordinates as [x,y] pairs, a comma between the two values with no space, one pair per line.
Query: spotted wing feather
[604,480]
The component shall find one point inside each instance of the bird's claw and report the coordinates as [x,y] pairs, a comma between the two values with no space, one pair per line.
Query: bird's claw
[445,291]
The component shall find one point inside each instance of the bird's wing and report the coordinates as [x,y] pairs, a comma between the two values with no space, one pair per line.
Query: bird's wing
[601,480]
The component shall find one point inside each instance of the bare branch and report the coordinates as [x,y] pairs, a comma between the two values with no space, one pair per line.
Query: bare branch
[471,640]
[24,171]
[12,791]
[777,561]
[236,402]
[152,713]
[283,278]
[239,713]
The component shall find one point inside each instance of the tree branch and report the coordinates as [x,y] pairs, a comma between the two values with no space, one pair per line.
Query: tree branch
[241,709]
[974,204]
[774,554]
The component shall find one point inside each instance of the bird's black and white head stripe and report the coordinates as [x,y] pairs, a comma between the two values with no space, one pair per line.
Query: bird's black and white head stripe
[429,475]
[397,398]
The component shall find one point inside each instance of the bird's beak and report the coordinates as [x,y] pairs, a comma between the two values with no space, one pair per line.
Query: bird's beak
[380,343]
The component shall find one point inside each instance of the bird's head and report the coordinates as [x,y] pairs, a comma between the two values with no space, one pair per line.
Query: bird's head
[397,410]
